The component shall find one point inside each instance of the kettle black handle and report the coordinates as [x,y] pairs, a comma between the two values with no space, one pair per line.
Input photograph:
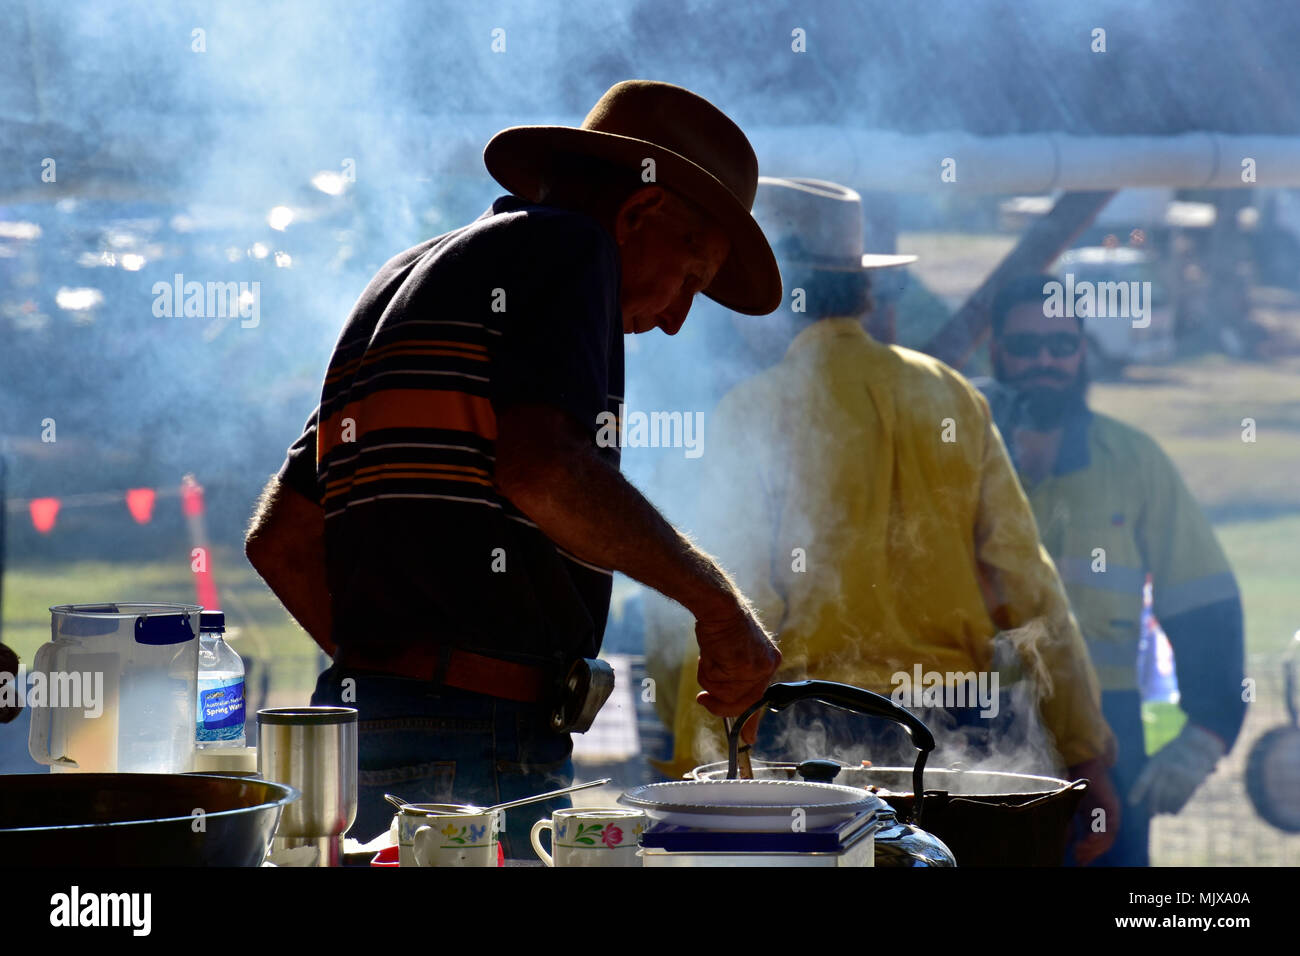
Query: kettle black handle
[847,697]
[777,697]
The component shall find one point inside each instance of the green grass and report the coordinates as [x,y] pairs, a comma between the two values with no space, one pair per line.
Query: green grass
[1266,557]
[1161,723]
[1194,409]
[1263,553]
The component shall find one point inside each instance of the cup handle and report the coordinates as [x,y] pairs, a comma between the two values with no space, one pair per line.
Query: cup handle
[538,827]
[418,843]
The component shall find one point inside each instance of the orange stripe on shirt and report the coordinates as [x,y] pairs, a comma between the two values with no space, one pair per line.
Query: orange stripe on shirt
[409,408]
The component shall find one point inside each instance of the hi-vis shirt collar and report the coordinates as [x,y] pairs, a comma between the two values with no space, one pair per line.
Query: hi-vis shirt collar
[1073,454]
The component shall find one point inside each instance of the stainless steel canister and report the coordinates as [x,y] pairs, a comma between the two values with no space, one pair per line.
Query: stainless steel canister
[313,749]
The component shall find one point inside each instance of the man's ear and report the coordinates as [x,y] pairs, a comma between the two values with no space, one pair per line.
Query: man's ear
[634,210]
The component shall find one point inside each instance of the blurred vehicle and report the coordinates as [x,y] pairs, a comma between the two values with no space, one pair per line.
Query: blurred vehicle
[1114,342]
[1275,240]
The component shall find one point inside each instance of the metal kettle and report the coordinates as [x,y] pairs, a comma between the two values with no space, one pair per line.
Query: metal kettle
[898,843]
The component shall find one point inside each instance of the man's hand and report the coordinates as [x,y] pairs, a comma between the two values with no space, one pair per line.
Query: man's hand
[737,661]
[1101,795]
[1174,772]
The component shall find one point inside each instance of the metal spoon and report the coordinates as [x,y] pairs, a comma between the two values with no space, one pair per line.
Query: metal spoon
[538,798]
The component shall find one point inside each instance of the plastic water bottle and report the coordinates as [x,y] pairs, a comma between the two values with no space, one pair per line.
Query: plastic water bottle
[220,711]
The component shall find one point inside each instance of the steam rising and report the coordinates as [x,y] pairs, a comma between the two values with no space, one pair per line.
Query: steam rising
[308,142]
[366,122]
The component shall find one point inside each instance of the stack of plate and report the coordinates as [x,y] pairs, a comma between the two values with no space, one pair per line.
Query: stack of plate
[756,823]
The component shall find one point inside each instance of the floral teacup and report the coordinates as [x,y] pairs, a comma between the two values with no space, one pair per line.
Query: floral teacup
[591,836]
[445,836]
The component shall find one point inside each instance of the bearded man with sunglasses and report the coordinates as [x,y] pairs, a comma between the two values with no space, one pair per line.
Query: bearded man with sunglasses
[1111,509]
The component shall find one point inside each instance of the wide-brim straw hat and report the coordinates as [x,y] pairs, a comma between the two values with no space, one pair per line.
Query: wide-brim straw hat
[698,154]
[815,224]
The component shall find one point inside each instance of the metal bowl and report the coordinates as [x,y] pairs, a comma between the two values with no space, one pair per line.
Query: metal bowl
[137,819]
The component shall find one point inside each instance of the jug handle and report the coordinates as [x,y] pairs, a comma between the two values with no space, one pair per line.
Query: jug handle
[48,660]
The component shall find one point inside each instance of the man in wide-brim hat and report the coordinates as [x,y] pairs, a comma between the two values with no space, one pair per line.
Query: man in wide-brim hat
[448,524]
[862,497]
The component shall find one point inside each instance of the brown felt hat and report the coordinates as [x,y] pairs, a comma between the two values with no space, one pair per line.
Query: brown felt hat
[698,153]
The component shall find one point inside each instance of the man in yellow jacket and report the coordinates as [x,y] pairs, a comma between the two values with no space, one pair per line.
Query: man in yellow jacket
[862,498]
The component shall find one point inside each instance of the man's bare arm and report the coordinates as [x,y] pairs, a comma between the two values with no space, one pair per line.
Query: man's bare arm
[547,466]
[286,546]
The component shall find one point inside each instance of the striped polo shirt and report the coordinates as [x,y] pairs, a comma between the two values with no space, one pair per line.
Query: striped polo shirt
[519,306]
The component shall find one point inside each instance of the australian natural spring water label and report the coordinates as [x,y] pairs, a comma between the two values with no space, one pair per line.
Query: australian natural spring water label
[221,709]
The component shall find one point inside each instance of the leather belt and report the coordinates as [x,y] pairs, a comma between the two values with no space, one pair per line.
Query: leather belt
[463,670]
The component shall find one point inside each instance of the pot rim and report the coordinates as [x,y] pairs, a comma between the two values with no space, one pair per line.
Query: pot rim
[1048,784]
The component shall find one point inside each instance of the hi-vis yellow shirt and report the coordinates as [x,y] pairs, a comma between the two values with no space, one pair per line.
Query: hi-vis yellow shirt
[862,499]
[1121,511]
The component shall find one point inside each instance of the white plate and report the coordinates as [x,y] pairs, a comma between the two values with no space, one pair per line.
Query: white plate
[754,806]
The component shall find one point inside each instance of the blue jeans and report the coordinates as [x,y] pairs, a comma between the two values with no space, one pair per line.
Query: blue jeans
[430,744]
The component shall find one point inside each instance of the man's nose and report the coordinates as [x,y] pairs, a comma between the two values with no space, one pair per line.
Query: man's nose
[672,326]
[673,321]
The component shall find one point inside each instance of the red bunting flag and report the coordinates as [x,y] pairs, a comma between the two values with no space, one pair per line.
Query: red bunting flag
[140,503]
[44,513]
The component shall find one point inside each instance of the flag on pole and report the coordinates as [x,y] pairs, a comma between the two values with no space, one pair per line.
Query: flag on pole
[140,503]
[44,511]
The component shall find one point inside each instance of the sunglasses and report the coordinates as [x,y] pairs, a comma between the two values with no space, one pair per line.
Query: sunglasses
[1027,345]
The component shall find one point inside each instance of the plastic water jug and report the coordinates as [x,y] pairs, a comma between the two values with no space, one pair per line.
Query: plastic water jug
[119,683]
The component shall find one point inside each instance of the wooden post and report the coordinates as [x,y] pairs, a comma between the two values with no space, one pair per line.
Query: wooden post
[1041,243]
